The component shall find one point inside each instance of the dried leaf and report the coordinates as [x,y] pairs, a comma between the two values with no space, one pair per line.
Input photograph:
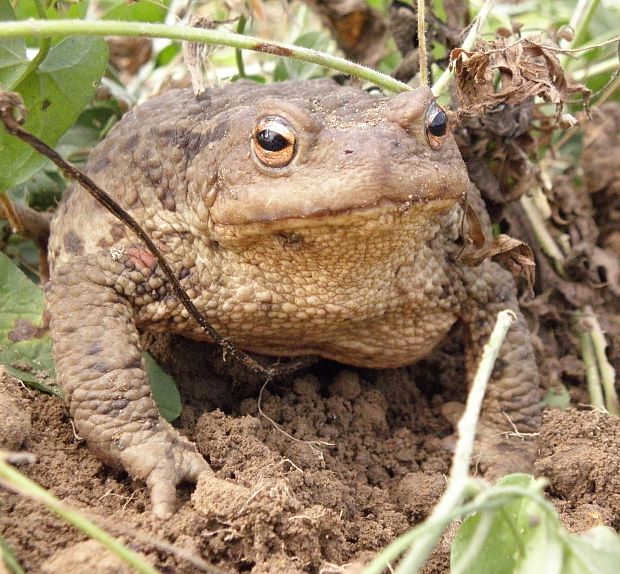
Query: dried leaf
[505,71]
[195,55]
[515,255]
[473,228]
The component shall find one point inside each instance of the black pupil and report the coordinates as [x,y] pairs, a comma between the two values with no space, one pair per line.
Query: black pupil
[438,124]
[270,140]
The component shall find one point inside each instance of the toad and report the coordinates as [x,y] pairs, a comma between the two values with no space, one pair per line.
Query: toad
[301,218]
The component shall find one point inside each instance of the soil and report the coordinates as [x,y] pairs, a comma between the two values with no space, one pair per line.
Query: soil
[339,461]
[355,459]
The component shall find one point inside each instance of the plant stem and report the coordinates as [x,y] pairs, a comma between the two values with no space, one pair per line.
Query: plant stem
[488,500]
[238,52]
[474,32]
[8,559]
[30,489]
[466,429]
[605,370]
[543,236]
[422,43]
[579,22]
[609,90]
[61,28]
[422,539]
[592,375]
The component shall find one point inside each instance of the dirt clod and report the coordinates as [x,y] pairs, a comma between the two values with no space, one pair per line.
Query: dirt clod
[15,424]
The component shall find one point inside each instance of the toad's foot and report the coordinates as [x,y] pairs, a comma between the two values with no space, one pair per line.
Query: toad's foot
[163,459]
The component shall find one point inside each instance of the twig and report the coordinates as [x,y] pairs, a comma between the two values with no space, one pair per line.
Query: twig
[422,43]
[422,539]
[474,32]
[8,212]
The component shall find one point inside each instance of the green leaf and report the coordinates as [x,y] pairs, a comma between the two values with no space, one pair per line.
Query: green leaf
[557,397]
[25,347]
[527,537]
[596,551]
[168,54]
[54,95]
[522,536]
[13,59]
[287,68]
[164,389]
[146,11]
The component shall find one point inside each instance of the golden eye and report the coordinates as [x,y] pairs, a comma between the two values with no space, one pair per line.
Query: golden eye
[273,141]
[436,126]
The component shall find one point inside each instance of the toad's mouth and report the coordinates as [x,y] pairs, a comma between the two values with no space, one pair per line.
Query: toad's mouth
[362,219]
[350,196]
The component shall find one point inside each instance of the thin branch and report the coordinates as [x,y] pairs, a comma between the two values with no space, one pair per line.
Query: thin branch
[62,28]
[422,43]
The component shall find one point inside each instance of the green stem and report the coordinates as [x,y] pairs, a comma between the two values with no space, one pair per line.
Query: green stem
[488,500]
[592,375]
[44,49]
[611,88]
[605,67]
[27,487]
[238,52]
[61,28]
[8,559]
[542,234]
[605,370]
[420,540]
[579,22]
[466,430]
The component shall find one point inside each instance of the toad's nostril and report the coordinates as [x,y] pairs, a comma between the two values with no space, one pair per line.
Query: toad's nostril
[348,151]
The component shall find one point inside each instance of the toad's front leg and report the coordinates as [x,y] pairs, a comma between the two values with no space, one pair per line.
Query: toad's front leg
[511,413]
[99,363]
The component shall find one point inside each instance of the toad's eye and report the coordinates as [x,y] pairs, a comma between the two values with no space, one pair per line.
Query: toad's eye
[436,126]
[273,141]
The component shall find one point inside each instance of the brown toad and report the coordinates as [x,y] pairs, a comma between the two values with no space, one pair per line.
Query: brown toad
[301,218]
